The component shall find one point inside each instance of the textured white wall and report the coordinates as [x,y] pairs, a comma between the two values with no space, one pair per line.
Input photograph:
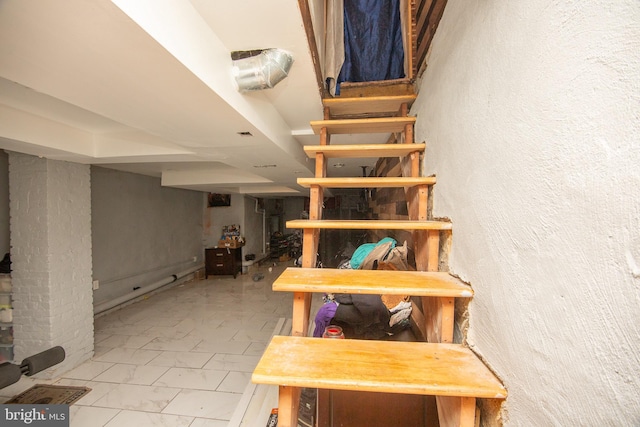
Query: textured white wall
[531,114]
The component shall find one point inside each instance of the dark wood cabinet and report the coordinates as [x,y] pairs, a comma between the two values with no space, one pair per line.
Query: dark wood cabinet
[223,261]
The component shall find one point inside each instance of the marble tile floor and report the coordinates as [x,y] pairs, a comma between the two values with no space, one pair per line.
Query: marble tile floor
[181,357]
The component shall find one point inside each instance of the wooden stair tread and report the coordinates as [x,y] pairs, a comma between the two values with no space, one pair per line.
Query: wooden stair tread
[339,106]
[377,366]
[368,125]
[403,86]
[371,282]
[373,224]
[363,150]
[369,182]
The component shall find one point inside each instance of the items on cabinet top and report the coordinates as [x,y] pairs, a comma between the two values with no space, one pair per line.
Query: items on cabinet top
[231,237]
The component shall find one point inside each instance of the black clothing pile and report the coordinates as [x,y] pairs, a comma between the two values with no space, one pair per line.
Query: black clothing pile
[362,316]
[5,264]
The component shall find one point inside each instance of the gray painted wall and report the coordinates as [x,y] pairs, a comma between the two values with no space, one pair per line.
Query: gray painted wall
[243,211]
[141,232]
[253,231]
[293,208]
[217,217]
[4,204]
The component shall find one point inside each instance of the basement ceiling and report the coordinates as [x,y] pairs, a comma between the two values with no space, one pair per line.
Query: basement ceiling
[146,87]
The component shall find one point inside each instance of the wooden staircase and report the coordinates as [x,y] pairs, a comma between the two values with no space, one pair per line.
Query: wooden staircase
[450,372]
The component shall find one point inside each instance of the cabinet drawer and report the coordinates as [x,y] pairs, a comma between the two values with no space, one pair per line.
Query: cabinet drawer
[222,255]
[222,271]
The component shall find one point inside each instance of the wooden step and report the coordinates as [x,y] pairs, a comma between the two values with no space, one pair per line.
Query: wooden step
[379,105]
[393,87]
[372,182]
[369,224]
[371,282]
[363,150]
[450,372]
[376,366]
[369,125]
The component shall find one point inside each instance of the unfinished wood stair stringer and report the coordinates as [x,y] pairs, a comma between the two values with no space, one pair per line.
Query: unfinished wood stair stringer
[451,372]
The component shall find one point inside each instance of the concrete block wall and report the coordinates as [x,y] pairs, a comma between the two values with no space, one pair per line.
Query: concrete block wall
[50,216]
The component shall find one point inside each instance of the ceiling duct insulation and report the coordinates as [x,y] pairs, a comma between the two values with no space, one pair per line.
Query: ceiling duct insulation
[263,69]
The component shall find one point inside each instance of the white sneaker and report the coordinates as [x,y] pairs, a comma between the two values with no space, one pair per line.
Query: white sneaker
[400,316]
[401,306]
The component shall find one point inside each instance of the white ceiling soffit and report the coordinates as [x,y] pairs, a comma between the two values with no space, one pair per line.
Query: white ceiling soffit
[85,83]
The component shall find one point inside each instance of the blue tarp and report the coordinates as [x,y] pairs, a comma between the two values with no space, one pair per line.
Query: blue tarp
[372,41]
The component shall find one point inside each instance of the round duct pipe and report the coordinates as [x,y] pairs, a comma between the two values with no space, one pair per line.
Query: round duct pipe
[261,71]
[107,305]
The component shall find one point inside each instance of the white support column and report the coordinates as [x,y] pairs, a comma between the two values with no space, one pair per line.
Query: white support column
[50,222]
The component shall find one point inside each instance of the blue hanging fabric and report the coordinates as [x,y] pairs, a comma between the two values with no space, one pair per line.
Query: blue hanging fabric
[372,41]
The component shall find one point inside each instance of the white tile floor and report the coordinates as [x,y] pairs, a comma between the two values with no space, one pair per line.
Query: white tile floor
[182,357]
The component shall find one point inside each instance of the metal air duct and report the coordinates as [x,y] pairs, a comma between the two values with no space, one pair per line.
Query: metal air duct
[260,71]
